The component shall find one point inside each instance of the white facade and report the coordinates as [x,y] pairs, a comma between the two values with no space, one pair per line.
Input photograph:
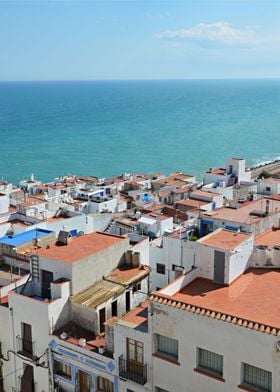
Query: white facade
[153,226]
[236,344]
[269,186]
[170,258]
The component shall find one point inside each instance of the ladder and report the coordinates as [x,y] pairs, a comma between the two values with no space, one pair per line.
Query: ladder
[35,267]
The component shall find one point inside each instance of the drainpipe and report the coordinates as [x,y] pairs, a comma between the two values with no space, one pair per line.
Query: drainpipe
[14,345]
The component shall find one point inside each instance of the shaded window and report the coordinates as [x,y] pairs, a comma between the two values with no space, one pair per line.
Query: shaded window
[161,269]
[136,287]
[257,378]
[62,369]
[210,362]
[134,351]
[104,385]
[166,347]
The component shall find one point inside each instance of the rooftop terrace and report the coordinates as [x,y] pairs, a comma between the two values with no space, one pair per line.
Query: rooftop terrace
[251,301]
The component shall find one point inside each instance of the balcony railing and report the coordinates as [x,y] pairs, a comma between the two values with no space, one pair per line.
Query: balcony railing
[133,371]
[25,347]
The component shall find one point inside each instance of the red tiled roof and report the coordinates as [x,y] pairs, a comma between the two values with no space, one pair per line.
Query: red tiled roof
[251,301]
[225,239]
[268,238]
[81,247]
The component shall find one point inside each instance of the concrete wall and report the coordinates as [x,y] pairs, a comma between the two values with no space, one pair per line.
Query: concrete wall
[236,344]
[268,188]
[121,333]
[172,252]
[4,203]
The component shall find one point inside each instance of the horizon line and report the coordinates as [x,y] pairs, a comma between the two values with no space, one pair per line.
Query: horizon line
[139,79]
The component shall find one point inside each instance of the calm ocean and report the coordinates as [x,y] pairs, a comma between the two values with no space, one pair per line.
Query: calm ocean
[107,128]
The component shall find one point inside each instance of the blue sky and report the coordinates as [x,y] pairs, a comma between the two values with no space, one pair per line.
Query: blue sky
[54,40]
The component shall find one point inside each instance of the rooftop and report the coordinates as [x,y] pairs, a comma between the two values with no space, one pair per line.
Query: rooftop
[268,238]
[250,301]
[26,236]
[137,317]
[219,170]
[128,275]
[192,203]
[98,293]
[81,247]
[114,284]
[200,193]
[271,180]
[224,239]
[242,214]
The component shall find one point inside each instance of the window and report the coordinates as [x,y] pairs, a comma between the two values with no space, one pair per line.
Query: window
[62,369]
[166,347]
[161,269]
[210,362]
[114,308]
[104,385]
[136,287]
[135,351]
[256,378]
[268,189]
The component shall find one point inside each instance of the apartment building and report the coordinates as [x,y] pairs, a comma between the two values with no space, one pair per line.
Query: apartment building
[217,338]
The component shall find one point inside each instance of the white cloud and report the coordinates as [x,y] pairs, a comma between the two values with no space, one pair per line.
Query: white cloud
[221,32]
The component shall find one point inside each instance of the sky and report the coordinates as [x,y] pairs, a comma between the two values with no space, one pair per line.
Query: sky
[96,40]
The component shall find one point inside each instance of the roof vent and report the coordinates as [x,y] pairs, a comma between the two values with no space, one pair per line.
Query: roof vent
[64,238]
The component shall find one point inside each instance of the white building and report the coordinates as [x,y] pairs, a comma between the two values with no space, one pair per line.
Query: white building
[133,350]
[212,334]
[155,225]
[269,186]
[234,173]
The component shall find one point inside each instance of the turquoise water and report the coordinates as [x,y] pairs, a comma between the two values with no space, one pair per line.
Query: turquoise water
[107,128]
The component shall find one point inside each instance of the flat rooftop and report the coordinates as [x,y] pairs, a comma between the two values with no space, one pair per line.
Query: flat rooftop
[268,238]
[242,213]
[253,298]
[137,317]
[224,239]
[81,247]
[26,236]
[128,275]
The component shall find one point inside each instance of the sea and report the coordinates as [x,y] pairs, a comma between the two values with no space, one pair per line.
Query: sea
[106,128]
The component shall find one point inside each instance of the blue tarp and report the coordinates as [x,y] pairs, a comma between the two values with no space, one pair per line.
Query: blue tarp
[26,236]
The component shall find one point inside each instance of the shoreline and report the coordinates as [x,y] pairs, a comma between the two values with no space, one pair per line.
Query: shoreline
[272,167]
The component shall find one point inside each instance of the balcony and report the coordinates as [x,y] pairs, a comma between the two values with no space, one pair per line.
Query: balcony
[132,371]
[25,347]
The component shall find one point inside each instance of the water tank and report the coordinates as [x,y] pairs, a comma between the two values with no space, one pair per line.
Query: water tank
[276,255]
[136,259]
[129,257]
[261,255]
[137,214]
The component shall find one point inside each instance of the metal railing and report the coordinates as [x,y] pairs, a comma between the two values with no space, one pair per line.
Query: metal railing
[133,371]
[25,347]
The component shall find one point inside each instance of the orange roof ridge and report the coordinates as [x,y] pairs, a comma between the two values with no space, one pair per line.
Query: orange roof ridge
[163,299]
